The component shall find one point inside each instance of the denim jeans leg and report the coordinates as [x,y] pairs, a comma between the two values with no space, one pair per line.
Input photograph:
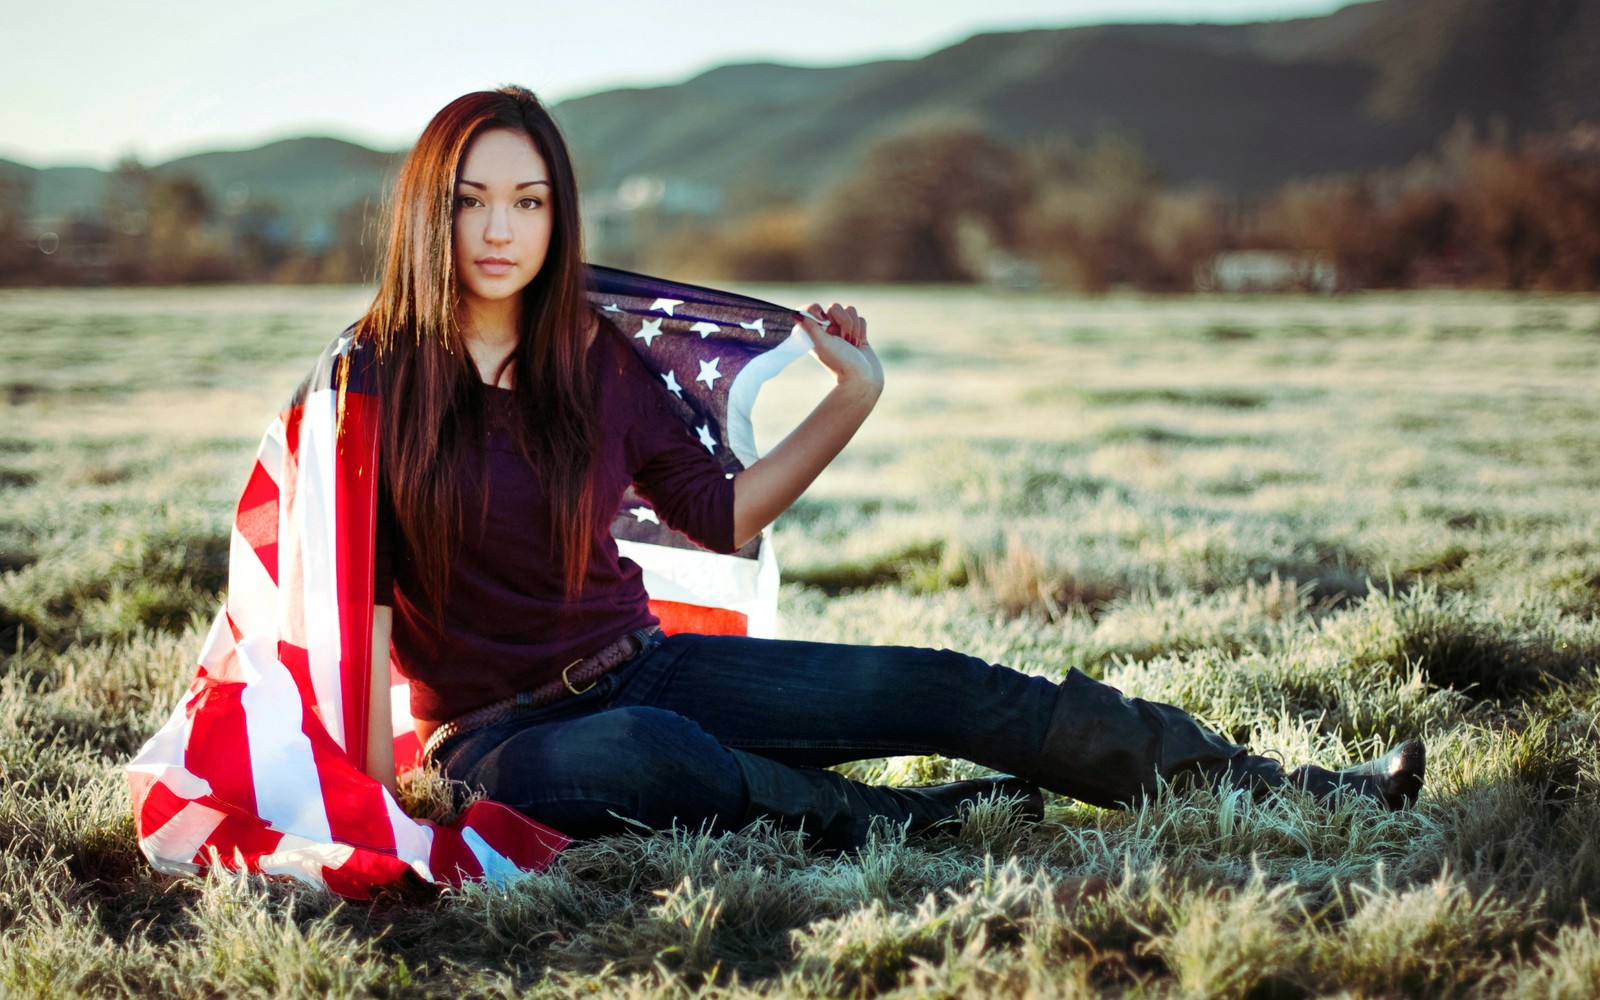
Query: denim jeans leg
[820,704]
[600,770]
[722,729]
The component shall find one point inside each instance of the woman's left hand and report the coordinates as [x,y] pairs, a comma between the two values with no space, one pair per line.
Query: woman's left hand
[767,488]
[842,345]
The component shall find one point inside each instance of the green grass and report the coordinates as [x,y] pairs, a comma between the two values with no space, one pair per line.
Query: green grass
[1321,525]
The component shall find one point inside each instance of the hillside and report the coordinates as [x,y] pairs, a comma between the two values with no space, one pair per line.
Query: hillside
[309,179]
[1241,108]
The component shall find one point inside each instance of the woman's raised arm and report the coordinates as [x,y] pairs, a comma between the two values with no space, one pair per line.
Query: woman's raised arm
[767,488]
[380,723]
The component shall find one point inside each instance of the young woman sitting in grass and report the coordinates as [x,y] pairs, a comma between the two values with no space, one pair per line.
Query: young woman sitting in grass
[515,416]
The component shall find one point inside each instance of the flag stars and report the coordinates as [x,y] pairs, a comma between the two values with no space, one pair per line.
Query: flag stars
[758,326]
[611,308]
[673,387]
[705,329]
[643,514]
[708,373]
[666,305]
[649,332]
[704,431]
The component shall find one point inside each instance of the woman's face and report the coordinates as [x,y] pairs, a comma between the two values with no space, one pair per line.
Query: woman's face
[503,216]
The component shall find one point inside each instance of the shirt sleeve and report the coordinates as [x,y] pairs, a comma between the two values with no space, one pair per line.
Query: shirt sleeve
[672,469]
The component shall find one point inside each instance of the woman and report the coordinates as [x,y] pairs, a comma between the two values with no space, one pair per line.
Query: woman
[513,417]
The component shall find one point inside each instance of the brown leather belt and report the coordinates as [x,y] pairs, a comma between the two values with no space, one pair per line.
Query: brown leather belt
[578,677]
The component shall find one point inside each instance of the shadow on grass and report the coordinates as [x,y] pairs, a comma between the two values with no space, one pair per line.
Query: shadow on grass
[1228,399]
[1483,664]
[143,580]
[1159,435]
[919,565]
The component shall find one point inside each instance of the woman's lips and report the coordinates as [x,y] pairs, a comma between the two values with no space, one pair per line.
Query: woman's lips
[494,265]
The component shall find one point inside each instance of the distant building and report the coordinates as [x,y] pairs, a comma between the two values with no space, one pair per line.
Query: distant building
[1266,271]
[990,263]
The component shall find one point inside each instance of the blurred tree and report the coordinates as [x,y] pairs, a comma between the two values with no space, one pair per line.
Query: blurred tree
[1180,231]
[766,245]
[1423,238]
[1534,217]
[1087,222]
[179,248]
[125,206]
[17,250]
[258,238]
[352,255]
[346,254]
[1478,212]
[901,216]
[178,204]
[1337,217]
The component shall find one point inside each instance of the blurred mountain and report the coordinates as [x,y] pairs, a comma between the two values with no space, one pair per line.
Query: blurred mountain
[310,177]
[1239,107]
[307,180]
[56,190]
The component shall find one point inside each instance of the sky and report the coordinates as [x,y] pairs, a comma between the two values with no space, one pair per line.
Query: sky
[88,81]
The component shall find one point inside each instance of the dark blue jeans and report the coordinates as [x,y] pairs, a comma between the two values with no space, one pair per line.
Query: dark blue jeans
[721,730]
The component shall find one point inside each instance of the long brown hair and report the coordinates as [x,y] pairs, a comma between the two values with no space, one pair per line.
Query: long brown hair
[431,390]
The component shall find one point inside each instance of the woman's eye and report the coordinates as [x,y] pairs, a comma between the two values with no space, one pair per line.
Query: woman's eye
[466,201]
[530,203]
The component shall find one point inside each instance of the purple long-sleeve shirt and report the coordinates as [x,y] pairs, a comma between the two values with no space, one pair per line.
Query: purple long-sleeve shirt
[507,625]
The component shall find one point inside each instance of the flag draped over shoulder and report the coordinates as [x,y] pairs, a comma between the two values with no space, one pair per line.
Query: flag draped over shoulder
[713,351]
[261,763]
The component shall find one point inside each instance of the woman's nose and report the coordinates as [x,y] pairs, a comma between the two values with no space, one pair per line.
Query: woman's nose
[498,228]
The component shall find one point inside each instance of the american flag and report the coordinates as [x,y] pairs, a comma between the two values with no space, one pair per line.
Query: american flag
[712,351]
[261,764]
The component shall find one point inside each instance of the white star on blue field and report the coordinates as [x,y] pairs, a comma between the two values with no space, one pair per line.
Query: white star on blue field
[649,332]
[708,373]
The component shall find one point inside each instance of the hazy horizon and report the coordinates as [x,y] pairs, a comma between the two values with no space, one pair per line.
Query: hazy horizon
[227,83]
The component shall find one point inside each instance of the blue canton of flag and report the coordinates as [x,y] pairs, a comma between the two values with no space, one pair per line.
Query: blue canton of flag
[712,351]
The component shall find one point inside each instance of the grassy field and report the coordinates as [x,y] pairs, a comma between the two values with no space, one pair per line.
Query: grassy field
[1321,524]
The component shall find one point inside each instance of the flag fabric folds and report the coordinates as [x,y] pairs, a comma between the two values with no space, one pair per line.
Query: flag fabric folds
[260,764]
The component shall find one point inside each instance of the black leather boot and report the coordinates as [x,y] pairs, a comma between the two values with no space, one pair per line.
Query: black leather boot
[1110,750]
[1395,779]
[837,813]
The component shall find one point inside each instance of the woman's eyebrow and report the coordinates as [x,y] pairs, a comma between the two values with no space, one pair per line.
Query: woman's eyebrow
[485,187]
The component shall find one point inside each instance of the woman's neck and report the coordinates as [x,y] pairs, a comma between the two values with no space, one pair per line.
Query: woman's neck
[491,332]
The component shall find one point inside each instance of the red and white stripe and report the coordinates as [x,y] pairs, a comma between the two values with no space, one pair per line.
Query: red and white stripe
[261,764]
[256,768]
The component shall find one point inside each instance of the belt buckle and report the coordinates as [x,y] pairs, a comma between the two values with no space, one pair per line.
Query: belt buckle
[565,680]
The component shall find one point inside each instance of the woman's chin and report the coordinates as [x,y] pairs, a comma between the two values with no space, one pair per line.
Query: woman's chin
[489,290]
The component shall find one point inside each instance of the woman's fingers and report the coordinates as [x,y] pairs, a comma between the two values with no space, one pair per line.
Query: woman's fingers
[815,318]
[848,323]
[840,320]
